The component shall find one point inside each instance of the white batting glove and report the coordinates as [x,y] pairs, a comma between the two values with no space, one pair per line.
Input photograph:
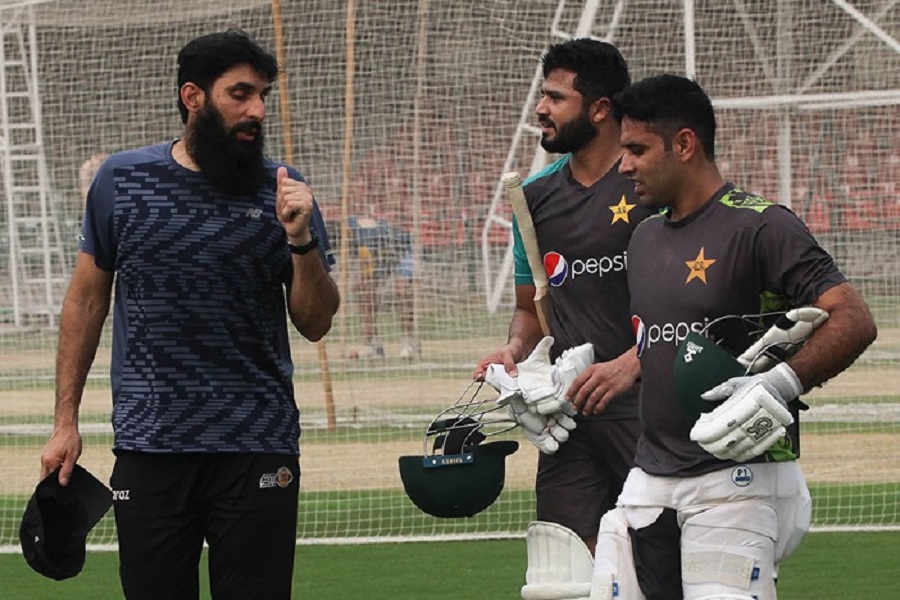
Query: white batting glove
[534,426]
[544,385]
[784,338]
[537,378]
[545,432]
[560,423]
[541,385]
[535,374]
[570,364]
[752,418]
[508,386]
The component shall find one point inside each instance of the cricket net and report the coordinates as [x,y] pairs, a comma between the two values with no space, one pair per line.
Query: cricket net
[402,115]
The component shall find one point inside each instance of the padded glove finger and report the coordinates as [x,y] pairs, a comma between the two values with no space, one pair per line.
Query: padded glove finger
[551,398]
[534,426]
[497,377]
[783,339]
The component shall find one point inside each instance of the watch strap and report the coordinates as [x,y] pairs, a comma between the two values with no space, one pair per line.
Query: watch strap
[304,248]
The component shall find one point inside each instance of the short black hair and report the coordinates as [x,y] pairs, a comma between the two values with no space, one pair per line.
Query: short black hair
[668,103]
[204,59]
[600,70]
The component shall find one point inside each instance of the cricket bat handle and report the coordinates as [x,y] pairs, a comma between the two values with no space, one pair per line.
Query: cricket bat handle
[512,182]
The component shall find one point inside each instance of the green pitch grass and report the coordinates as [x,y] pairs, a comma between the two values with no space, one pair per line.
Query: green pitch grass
[828,566]
[389,512]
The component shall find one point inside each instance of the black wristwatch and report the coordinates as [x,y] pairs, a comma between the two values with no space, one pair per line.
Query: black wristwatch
[305,248]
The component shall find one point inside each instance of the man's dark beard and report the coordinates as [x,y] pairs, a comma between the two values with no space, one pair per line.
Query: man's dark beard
[572,136]
[231,165]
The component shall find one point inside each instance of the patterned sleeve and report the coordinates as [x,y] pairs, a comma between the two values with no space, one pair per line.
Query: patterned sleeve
[98,236]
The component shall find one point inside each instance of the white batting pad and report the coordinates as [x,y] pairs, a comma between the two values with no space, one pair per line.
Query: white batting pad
[726,597]
[559,564]
[730,550]
[614,576]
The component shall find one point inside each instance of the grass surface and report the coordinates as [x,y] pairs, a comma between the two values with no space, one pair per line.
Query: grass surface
[828,566]
[390,513]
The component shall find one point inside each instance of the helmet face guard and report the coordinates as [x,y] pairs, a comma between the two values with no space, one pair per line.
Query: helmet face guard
[459,476]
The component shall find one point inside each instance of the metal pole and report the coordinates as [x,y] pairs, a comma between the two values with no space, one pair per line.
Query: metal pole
[289,157]
[421,74]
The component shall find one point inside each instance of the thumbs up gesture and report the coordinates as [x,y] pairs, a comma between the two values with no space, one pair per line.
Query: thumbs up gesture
[294,206]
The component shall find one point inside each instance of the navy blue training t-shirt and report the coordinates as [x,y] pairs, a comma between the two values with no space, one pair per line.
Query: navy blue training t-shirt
[201,358]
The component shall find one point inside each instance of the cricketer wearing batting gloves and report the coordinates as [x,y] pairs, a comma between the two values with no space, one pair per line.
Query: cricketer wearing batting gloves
[698,519]
[583,213]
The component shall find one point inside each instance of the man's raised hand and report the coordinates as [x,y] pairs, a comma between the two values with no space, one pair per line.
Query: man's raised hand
[294,207]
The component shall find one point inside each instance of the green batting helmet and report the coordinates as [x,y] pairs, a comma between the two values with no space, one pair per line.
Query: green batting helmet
[457,485]
[700,365]
[459,476]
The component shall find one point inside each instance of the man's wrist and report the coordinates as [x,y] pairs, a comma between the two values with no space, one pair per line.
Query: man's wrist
[303,246]
[783,378]
[518,349]
[67,422]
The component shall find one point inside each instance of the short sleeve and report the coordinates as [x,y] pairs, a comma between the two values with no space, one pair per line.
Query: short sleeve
[523,275]
[98,236]
[794,264]
[317,226]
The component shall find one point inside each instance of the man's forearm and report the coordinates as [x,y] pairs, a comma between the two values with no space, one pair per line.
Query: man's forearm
[839,341]
[79,335]
[313,299]
[524,333]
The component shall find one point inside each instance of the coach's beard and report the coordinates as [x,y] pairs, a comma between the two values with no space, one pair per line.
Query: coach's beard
[231,165]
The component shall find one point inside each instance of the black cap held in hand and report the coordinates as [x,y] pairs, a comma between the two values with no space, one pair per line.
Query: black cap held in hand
[57,521]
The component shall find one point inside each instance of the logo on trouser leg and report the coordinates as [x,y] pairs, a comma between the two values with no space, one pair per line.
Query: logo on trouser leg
[741,476]
[281,478]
